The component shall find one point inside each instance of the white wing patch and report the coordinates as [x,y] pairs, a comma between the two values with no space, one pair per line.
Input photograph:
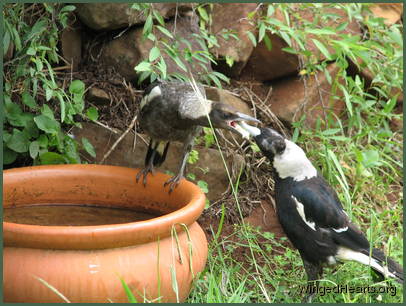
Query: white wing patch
[300,210]
[155,92]
[348,254]
[340,230]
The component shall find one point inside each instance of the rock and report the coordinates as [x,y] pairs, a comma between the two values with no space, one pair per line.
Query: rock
[291,98]
[264,216]
[98,96]
[236,23]
[111,16]
[391,12]
[123,155]
[71,43]
[267,65]
[125,52]
[225,96]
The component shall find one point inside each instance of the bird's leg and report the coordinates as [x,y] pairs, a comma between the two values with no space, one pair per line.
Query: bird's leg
[174,181]
[149,163]
[314,272]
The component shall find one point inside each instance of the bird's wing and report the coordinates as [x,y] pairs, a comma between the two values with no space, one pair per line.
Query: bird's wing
[321,205]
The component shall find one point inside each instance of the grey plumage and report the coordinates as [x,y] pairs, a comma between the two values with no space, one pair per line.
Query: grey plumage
[175,111]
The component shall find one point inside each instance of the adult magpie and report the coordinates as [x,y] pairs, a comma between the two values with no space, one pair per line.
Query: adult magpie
[177,111]
[311,213]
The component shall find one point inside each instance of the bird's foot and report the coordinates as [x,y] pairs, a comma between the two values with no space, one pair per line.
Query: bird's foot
[144,173]
[173,182]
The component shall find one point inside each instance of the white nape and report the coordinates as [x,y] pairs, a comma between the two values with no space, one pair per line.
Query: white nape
[300,210]
[155,92]
[294,163]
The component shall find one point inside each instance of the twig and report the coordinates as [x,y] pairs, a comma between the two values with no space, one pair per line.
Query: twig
[119,139]
[106,127]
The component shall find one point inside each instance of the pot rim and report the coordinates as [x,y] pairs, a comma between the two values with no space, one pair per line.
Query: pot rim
[100,236]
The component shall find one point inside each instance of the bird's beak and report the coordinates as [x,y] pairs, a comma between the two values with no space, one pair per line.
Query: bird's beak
[244,117]
[238,124]
[252,130]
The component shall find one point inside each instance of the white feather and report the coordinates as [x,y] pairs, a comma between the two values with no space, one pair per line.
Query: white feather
[348,254]
[300,210]
[294,163]
[155,92]
[340,230]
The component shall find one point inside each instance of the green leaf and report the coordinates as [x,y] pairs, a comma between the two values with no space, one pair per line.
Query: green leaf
[329,132]
[52,158]
[48,93]
[34,149]
[162,67]
[77,87]
[147,25]
[322,49]
[262,30]
[203,186]
[270,10]
[92,113]
[9,156]
[203,13]
[130,296]
[268,42]
[47,124]
[158,17]
[229,61]
[370,158]
[43,141]
[252,38]
[154,54]
[18,141]
[143,66]
[68,8]
[30,129]
[88,147]
[47,111]
[165,31]
[29,100]
[37,29]
[321,31]
[6,41]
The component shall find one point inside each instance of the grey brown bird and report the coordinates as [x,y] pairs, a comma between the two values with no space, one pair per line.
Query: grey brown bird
[177,111]
[312,216]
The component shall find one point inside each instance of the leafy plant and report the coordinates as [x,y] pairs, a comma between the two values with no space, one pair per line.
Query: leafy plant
[37,108]
[167,47]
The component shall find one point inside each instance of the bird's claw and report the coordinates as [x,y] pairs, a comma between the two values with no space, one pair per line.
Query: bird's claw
[144,172]
[173,182]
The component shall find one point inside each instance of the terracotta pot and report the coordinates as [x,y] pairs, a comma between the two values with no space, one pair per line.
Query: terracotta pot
[85,263]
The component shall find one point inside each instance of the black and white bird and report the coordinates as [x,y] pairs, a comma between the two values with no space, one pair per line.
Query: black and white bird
[311,213]
[177,111]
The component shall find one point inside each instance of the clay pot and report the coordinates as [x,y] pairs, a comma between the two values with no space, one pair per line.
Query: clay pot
[85,263]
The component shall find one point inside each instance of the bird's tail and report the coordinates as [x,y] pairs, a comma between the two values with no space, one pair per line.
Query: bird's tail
[386,266]
[157,150]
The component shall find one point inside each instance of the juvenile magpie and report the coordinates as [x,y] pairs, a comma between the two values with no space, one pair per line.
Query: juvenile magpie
[177,111]
[311,213]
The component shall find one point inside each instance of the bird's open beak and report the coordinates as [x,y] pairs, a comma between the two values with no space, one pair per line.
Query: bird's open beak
[252,130]
[244,117]
[238,124]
